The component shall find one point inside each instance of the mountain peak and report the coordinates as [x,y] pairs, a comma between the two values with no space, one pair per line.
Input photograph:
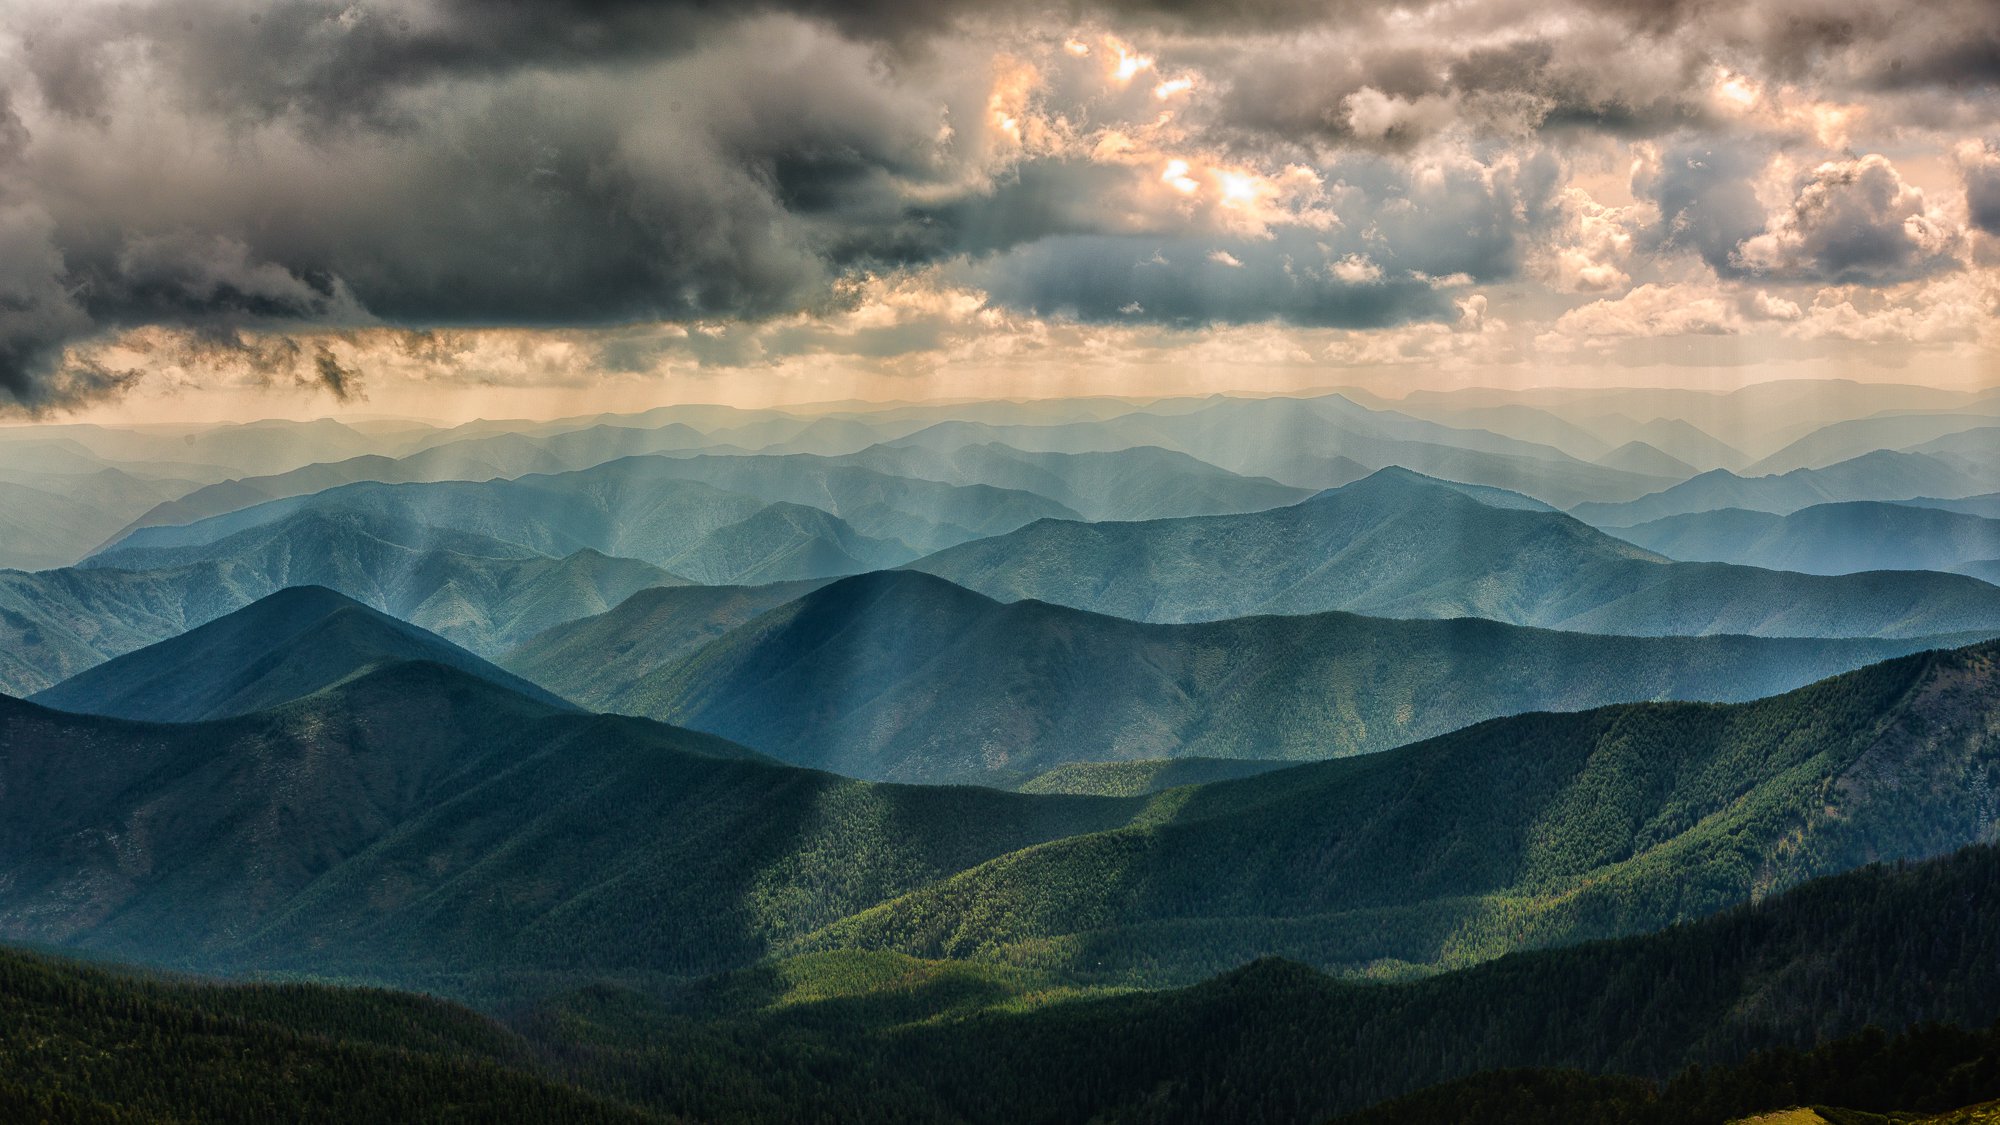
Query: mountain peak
[1394,480]
[291,644]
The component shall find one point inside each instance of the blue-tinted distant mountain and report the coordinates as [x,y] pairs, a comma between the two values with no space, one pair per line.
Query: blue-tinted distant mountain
[901,676]
[925,514]
[1987,506]
[1319,443]
[784,543]
[30,450]
[635,508]
[49,519]
[654,508]
[1845,440]
[479,593]
[1401,545]
[291,644]
[1144,482]
[1686,443]
[1757,419]
[1639,457]
[1826,538]
[1978,450]
[1514,420]
[259,448]
[650,630]
[1986,570]
[1882,475]
[505,455]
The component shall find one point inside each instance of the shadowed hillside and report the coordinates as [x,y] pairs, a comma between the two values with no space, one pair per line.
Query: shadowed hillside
[903,676]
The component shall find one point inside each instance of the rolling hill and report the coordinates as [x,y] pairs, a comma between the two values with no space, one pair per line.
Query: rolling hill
[1775,1005]
[414,819]
[291,644]
[1533,830]
[1826,538]
[419,818]
[871,1037]
[902,676]
[1397,544]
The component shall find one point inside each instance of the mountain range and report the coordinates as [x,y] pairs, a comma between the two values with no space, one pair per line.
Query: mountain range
[656,509]
[1397,544]
[479,593]
[415,815]
[903,676]
[297,642]
[1881,475]
[1524,831]
[1826,538]
[1117,759]
[852,1038]
[412,818]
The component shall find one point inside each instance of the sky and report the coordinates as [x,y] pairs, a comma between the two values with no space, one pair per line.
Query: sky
[231,208]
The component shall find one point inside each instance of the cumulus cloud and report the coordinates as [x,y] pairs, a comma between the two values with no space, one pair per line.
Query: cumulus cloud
[1853,220]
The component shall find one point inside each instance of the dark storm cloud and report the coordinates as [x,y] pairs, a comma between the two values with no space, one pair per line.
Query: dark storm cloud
[731,184]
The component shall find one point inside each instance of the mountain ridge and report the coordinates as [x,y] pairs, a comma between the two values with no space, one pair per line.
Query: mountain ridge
[287,645]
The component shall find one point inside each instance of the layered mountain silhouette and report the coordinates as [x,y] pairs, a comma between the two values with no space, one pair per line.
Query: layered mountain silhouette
[781,543]
[416,815]
[1639,457]
[1826,538]
[292,644]
[656,509]
[476,592]
[608,652]
[1141,483]
[1811,976]
[1530,830]
[1881,475]
[416,818]
[904,676]
[503,455]
[1318,443]
[631,515]
[1398,544]
[1789,1004]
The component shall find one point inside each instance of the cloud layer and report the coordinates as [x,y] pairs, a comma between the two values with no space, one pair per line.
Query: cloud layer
[276,189]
